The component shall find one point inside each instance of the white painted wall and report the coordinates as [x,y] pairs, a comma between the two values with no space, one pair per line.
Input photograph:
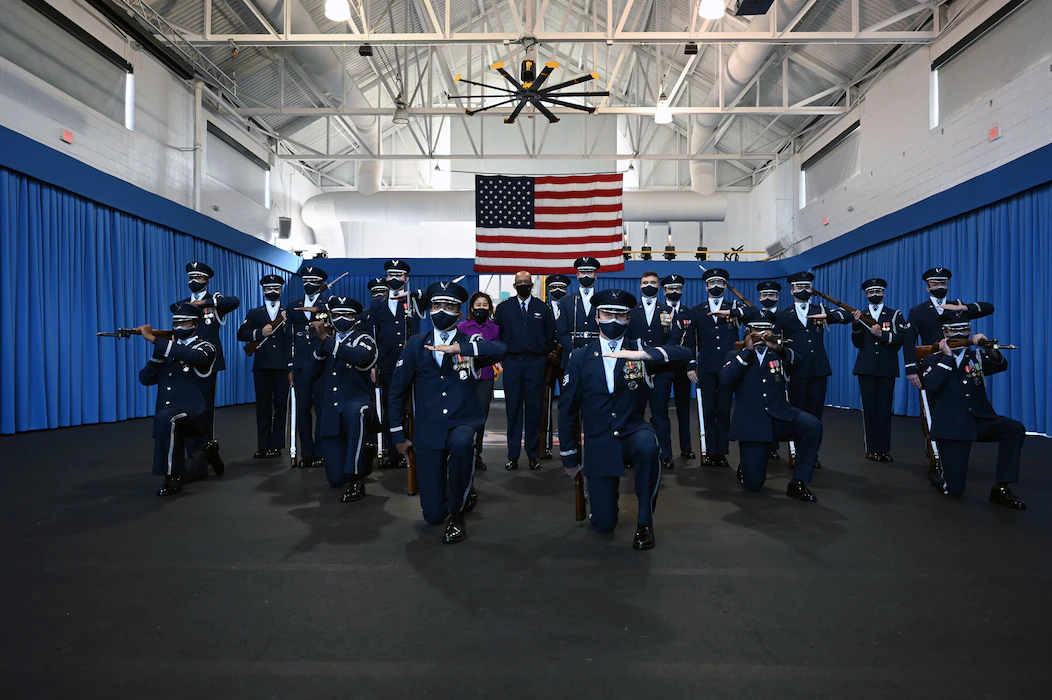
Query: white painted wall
[150,156]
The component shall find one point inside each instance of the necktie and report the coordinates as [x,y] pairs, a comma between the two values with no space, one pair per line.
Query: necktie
[524,312]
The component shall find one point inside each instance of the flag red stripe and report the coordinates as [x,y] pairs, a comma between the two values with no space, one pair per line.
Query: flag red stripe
[591,209]
[534,242]
[542,255]
[577,194]
[557,225]
[540,270]
[577,179]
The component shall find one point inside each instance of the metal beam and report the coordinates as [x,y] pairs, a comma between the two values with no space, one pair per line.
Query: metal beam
[527,156]
[440,111]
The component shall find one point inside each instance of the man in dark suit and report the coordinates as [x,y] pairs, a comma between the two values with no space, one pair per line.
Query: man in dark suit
[576,325]
[440,367]
[271,367]
[339,366]
[805,324]
[180,367]
[672,285]
[711,335]
[651,322]
[606,387]
[961,412]
[215,307]
[877,367]
[392,319]
[527,328]
[303,343]
[757,373]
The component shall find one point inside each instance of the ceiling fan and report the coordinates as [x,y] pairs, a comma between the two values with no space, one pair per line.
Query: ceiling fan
[532,91]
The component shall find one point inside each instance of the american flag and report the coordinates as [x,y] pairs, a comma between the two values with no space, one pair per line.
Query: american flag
[543,224]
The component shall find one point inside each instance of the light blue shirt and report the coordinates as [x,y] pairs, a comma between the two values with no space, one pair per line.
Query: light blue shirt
[439,340]
[610,363]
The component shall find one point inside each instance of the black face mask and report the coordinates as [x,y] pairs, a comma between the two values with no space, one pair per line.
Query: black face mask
[311,289]
[196,286]
[557,294]
[480,315]
[716,291]
[802,296]
[272,296]
[394,284]
[586,281]
[343,324]
[523,290]
[875,299]
[184,333]
[443,320]
[768,303]
[673,296]
[939,293]
[613,329]
[649,290]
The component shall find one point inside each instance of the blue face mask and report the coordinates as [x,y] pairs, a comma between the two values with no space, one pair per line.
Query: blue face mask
[311,289]
[197,286]
[613,329]
[394,284]
[443,320]
[343,323]
[184,333]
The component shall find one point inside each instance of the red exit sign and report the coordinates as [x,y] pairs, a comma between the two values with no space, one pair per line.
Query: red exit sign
[67,136]
[995,133]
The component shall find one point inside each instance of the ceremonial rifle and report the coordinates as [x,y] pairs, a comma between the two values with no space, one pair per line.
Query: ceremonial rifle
[985,344]
[251,347]
[122,333]
[580,511]
[865,319]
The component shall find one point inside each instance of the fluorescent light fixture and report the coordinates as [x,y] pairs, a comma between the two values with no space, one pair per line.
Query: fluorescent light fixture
[129,102]
[663,115]
[337,10]
[708,9]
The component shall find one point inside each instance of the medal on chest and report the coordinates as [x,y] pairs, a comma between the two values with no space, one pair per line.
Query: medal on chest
[633,371]
[666,320]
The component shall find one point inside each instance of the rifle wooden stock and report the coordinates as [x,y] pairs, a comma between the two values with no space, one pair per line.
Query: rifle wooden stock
[986,344]
[865,319]
[739,295]
[580,510]
[251,347]
[122,333]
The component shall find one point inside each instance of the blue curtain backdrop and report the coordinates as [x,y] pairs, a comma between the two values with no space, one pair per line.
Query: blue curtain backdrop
[70,267]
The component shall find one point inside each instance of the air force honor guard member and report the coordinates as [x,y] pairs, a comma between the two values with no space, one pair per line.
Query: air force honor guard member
[378,287]
[393,318]
[711,335]
[961,412]
[440,368]
[215,307]
[672,285]
[576,326]
[651,322]
[302,346]
[527,328]
[877,367]
[270,367]
[557,286]
[606,387]
[757,373]
[925,319]
[339,368]
[180,368]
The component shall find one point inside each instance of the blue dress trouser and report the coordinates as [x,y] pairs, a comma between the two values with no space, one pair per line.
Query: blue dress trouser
[523,391]
[272,396]
[659,396]
[445,475]
[954,453]
[681,389]
[641,449]
[805,429]
[345,454]
[717,413]
[307,399]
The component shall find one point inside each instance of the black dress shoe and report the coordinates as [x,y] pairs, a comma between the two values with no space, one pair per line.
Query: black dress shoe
[455,531]
[535,464]
[547,454]
[213,458]
[511,465]
[885,457]
[741,476]
[773,455]
[171,485]
[480,465]
[798,489]
[472,500]
[644,537]
[874,457]
[936,478]
[1003,496]
[273,452]
[818,465]
[720,461]
[260,454]
[629,465]
[355,491]
[688,454]
[668,464]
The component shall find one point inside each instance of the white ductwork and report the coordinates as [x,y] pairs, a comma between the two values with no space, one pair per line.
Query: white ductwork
[422,206]
[329,70]
[738,69]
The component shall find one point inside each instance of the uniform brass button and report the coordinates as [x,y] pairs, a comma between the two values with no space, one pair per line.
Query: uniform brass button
[334,388]
[445,410]
[167,403]
[765,396]
[334,374]
[441,377]
[443,393]
[615,433]
[335,403]
[613,415]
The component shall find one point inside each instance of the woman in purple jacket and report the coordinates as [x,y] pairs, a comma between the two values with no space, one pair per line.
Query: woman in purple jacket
[481,323]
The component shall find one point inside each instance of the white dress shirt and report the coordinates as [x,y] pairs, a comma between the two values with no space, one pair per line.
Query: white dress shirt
[649,304]
[761,352]
[309,302]
[714,305]
[938,304]
[801,311]
[439,340]
[958,355]
[273,307]
[555,308]
[198,296]
[586,300]
[610,363]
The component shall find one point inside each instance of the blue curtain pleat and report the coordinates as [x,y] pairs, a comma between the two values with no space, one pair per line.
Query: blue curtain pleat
[70,267]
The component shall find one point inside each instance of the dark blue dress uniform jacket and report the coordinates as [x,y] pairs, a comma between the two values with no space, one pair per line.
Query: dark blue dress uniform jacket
[657,333]
[957,395]
[573,320]
[179,371]
[273,354]
[879,357]
[302,341]
[607,417]
[342,373]
[391,331]
[759,392]
[711,341]
[530,338]
[209,327]
[925,324]
[444,397]
[808,341]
